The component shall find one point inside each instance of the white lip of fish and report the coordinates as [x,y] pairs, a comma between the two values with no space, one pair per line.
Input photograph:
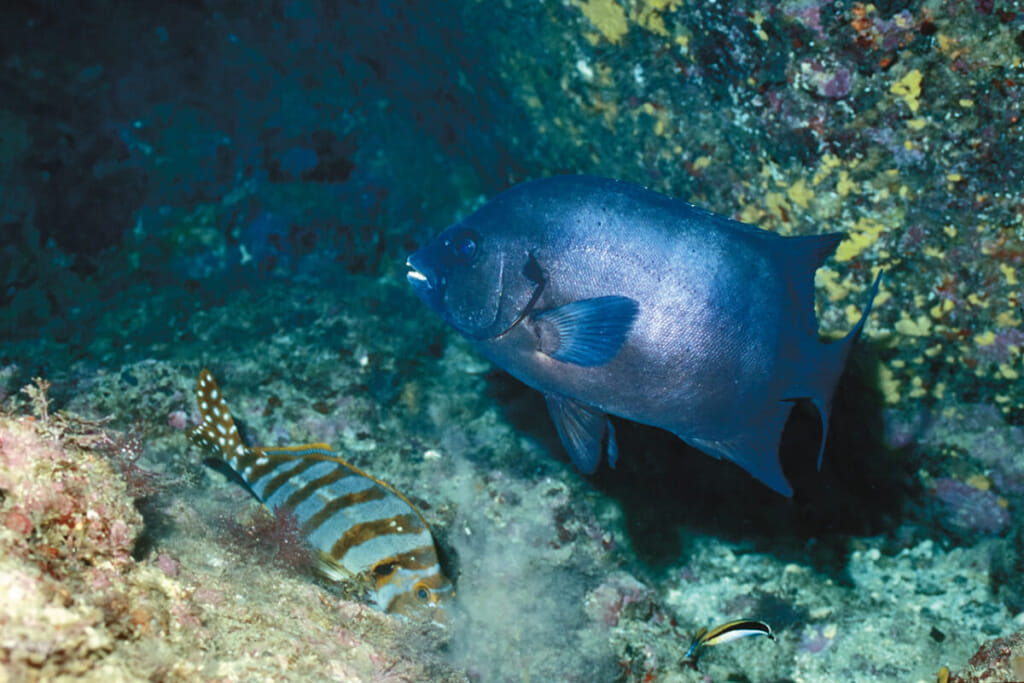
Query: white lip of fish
[416,276]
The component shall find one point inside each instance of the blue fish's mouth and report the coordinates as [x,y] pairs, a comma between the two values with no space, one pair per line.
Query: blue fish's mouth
[419,275]
[417,279]
[424,280]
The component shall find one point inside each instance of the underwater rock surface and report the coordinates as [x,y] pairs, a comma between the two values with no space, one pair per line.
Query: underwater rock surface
[78,606]
[555,574]
[209,184]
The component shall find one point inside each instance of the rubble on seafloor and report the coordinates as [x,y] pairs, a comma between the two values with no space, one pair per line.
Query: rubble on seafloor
[77,604]
[558,577]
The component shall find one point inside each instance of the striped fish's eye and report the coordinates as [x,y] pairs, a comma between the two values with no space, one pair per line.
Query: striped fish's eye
[383,569]
[422,593]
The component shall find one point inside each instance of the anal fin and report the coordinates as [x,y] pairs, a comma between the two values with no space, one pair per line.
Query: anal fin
[756,449]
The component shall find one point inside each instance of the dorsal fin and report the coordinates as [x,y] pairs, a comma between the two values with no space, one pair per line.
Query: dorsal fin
[802,256]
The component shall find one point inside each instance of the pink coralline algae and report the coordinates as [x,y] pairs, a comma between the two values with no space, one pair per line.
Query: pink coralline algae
[167,564]
[178,419]
[832,82]
[1004,346]
[65,510]
[67,533]
[969,509]
[76,605]
[18,522]
[979,429]
[807,13]
[621,592]
[998,661]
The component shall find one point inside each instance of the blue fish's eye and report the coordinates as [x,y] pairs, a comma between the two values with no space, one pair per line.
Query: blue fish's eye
[466,246]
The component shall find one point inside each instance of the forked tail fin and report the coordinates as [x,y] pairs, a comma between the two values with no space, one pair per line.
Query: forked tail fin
[217,433]
[828,371]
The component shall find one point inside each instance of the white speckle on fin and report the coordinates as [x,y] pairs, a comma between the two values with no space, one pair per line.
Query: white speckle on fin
[217,432]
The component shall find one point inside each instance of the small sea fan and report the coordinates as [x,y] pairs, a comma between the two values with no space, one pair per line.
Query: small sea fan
[124,450]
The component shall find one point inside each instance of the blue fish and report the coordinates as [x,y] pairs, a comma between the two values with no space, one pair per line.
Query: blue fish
[611,299]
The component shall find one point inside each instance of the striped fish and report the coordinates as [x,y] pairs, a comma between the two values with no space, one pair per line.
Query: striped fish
[362,527]
[726,633]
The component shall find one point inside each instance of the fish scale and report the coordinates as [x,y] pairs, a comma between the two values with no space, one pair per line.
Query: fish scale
[361,526]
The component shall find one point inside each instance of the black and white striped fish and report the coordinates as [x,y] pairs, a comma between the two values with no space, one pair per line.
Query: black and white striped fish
[726,633]
[362,527]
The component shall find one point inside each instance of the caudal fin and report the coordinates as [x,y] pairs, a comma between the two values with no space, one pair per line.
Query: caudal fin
[217,433]
[830,368]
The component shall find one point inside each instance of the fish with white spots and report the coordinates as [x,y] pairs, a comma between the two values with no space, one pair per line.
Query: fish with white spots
[362,527]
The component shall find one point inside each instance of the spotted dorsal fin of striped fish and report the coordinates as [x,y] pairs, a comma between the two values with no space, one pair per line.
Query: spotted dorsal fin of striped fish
[361,526]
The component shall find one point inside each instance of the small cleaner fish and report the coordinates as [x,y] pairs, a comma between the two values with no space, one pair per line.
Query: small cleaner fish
[362,527]
[726,633]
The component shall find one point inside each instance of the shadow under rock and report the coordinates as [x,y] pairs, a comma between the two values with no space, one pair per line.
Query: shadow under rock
[157,525]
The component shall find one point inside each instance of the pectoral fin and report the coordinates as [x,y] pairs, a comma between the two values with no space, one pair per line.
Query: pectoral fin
[588,332]
[582,429]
